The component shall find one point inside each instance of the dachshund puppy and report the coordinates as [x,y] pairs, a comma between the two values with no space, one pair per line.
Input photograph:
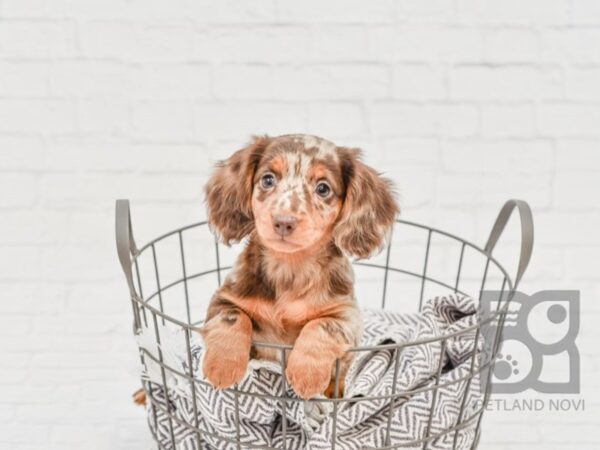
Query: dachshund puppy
[303,203]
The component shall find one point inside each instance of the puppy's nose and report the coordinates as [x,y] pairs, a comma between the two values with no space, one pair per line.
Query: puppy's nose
[284,225]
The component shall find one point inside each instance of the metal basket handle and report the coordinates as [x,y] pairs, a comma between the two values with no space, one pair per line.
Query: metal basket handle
[125,244]
[526,233]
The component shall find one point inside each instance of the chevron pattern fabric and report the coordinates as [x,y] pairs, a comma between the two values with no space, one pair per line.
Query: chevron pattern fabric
[383,387]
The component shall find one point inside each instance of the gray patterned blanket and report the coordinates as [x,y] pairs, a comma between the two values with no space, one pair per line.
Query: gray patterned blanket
[361,420]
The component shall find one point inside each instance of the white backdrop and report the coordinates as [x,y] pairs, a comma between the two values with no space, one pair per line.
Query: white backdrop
[464,103]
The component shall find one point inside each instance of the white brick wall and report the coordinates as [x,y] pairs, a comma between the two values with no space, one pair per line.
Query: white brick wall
[465,103]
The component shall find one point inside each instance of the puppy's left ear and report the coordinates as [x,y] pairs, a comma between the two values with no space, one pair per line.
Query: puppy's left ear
[229,192]
[369,208]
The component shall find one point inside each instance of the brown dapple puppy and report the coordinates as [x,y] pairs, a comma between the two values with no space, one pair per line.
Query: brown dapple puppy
[303,203]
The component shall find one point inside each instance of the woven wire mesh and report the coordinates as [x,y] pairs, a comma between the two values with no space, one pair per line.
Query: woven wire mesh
[173,277]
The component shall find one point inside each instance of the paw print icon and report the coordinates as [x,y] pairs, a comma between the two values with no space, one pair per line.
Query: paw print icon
[537,347]
[505,367]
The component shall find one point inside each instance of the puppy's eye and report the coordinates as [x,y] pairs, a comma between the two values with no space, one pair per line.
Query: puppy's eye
[267,181]
[322,189]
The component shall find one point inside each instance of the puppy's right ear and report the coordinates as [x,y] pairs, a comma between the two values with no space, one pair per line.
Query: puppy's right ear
[229,192]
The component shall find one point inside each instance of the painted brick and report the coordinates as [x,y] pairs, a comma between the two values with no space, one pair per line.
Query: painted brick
[505,83]
[569,119]
[418,82]
[516,120]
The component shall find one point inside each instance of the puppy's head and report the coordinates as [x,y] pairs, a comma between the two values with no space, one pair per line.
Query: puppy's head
[297,191]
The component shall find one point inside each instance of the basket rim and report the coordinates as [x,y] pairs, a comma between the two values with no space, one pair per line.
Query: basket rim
[507,291]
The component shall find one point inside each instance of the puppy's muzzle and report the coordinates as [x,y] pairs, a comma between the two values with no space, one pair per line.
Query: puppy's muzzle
[284,225]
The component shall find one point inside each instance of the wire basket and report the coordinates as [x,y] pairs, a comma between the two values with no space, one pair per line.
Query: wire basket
[171,280]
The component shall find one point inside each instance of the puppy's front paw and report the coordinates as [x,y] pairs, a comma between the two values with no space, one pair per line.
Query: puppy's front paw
[225,367]
[308,375]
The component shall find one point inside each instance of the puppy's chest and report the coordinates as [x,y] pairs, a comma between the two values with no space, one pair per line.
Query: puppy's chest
[284,315]
[277,322]
[297,299]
